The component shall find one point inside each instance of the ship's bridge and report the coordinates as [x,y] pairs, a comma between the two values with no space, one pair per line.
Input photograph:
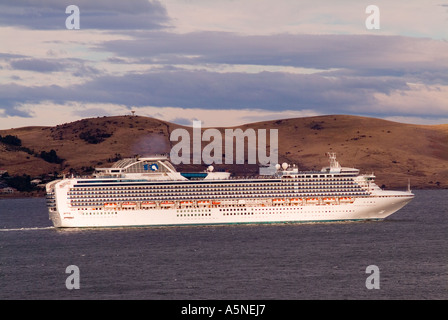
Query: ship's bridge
[335,167]
[341,170]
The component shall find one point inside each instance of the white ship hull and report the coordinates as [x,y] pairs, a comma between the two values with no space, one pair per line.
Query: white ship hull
[128,195]
[373,208]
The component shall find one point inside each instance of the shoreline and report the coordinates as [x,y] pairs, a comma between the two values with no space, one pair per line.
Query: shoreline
[22,195]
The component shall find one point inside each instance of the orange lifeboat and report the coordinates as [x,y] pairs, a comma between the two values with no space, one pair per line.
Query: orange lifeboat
[148,204]
[312,200]
[128,205]
[346,200]
[185,203]
[167,204]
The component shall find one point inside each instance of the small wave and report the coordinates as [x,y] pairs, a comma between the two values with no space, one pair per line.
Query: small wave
[27,229]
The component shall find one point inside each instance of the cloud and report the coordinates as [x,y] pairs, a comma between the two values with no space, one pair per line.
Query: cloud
[363,54]
[418,120]
[416,18]
[353,73]
[63,113]
[127,55]
[419,99]
[106,15]
[39,65]
[213,91]
[183,121]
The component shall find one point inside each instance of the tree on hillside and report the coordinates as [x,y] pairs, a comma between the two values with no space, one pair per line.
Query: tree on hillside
[51,157]
[11,140]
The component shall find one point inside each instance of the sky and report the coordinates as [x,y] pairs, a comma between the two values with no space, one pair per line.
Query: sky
[224,62]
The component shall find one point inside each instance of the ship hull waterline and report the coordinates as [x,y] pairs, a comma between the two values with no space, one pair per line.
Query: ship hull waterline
[368,209]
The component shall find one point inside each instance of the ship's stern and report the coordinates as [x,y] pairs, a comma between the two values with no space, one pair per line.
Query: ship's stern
[57,200]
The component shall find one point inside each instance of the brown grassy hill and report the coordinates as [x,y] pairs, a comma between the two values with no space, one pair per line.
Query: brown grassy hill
[85,143]
[393,151]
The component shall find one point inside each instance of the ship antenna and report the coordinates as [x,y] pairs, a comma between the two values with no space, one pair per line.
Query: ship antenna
[409,185]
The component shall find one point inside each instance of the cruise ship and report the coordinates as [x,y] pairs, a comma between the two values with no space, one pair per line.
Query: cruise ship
[149,191]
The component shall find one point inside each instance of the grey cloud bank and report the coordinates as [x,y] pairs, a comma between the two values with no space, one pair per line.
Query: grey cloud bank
[209,90]
[105,15]
[148,64]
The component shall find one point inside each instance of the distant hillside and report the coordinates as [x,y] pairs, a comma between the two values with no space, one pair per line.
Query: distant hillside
[393,151]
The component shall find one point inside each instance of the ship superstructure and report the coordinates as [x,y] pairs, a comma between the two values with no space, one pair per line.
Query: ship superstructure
[148,191]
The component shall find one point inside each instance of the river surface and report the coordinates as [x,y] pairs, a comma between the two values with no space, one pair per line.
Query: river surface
[406,257]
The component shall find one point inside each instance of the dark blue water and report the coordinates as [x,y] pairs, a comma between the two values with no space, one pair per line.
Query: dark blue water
[288,262]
